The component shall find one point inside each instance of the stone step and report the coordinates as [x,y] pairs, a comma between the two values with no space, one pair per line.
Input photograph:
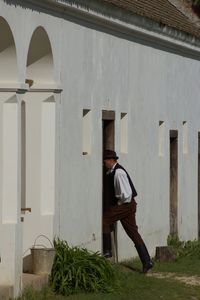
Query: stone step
[6,292]
[36,281]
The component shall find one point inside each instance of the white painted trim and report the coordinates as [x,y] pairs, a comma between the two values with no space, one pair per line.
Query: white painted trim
[23,88]
[13,86]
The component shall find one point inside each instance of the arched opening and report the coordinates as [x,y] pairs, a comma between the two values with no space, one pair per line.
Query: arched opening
[38,119]
[8,59]
[40,58]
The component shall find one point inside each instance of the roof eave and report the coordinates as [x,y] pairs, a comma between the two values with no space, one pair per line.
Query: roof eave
[129,25]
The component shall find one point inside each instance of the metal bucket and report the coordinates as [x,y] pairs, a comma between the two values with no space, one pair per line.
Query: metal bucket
[42,260]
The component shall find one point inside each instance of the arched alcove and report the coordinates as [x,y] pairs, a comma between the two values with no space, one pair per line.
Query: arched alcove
[38,142]
[8,59]
[40,58]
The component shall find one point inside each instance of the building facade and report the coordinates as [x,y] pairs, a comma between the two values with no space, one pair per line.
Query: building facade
[77,77]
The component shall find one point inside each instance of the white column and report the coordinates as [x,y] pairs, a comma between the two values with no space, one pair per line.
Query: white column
[10,226]
[48,157]
[10,161]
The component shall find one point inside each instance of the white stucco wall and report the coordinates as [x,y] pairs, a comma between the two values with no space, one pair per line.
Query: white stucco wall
[100,70]
[112,73]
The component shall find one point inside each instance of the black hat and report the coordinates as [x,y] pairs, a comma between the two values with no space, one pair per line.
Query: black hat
[107,154]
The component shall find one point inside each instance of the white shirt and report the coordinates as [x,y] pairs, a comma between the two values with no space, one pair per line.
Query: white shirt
[123,191]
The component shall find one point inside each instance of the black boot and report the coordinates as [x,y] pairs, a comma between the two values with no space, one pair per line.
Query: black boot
[144,257]
[107,252]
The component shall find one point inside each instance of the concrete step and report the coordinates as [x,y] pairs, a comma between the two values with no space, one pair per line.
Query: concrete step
[6,292]
[36,281]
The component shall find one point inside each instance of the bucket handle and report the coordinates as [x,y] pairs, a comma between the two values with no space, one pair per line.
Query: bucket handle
[44,236]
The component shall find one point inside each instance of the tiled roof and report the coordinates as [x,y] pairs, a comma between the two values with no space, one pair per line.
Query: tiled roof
[161,11]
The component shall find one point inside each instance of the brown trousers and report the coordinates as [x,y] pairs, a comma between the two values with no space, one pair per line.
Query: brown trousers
[124,213]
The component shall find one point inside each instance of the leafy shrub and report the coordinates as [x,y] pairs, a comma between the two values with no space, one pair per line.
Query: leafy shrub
[76,269]
[182,249]
[196,2]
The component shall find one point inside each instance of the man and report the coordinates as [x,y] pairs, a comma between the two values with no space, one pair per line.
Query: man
[122,207]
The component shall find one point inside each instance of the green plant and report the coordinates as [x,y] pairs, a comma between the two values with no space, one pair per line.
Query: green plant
[196,2]
[183,249]
[76,269]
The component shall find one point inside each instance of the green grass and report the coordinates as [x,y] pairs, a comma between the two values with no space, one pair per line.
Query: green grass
[139,287]
[184,265]
[80,274]
[136,286]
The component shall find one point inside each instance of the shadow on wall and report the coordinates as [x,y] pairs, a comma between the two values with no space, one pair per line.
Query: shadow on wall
[8,59]
[40,59]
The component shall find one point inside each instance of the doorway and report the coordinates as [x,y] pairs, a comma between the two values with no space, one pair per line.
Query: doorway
[108,137]
[173,182]
[198,185]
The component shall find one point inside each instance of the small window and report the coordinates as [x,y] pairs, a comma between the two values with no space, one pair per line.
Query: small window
[124,133]
[161,138]
[185,137]
[86,132]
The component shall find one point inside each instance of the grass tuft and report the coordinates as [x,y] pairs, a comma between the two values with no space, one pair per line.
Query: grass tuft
[30,293]
[184,249]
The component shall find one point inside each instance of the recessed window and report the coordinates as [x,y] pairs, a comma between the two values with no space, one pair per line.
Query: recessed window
[173,167]
[86,132]
[124,133]
[198,184]
[185,137]
[161,138]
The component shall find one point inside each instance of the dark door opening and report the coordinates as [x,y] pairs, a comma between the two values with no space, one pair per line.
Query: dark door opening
[108,134]
[174,182]
[199,185]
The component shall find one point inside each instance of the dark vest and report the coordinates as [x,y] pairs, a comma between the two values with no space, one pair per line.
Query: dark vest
[113,199]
